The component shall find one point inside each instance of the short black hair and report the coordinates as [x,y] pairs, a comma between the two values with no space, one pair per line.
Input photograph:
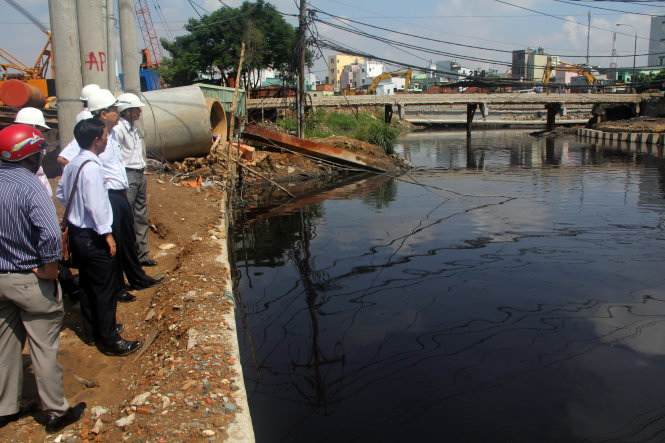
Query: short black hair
[86,131]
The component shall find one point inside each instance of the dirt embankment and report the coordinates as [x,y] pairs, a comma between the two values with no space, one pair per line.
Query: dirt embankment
[185,383]
[637,124]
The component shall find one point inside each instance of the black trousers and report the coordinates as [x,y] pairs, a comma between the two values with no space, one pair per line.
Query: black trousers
[125,239]
[98,273]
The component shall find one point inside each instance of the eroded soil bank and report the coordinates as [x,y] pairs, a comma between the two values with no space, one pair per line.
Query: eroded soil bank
[185,384]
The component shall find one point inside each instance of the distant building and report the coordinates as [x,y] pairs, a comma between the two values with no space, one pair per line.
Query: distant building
[336,65]
[657,41]
[452,70]
[390,86]
[360,75]
[529,64]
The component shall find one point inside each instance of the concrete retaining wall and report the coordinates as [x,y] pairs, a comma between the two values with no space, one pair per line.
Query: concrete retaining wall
[650,138]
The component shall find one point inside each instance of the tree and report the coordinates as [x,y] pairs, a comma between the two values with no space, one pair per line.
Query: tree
[212,47]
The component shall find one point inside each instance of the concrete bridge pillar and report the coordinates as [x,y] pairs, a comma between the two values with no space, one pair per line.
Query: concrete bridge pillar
[552,110]
[470,112]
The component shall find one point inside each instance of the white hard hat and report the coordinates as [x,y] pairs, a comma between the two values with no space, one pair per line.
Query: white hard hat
[88,90]
[31,116]
[101,99]
[129,100]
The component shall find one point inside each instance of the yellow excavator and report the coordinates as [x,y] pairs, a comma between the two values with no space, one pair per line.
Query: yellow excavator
[375,83]
[563,66]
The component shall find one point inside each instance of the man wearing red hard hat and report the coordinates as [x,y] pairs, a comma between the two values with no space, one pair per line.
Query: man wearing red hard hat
[30,298]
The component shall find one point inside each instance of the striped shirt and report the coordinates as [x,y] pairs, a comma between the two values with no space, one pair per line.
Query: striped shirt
[29,232]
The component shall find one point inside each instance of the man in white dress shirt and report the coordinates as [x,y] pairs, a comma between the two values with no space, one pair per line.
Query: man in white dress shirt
[90,223]
[133,156]
[115,179]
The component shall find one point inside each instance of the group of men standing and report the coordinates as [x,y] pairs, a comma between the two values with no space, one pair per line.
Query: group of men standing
[103,188]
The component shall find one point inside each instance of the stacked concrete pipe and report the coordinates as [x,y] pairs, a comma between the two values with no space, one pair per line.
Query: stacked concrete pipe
[181,122]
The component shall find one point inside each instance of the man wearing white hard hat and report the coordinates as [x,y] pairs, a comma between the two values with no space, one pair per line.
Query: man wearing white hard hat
[72,149]
[34,117]
[86,93]
[133,156]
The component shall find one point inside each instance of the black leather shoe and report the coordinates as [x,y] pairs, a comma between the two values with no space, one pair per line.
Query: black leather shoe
[22,412]
[148,262]
[118,329]
[126,297]
[120,347]
[55,423]
[146,284]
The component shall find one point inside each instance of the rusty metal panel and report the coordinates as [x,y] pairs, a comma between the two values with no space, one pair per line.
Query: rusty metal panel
[270,137]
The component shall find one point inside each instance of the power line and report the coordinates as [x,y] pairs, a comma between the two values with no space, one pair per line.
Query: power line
[566,20]
[385,40]
[604,9]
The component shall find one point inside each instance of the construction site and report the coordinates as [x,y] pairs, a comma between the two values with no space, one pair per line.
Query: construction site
[208,163]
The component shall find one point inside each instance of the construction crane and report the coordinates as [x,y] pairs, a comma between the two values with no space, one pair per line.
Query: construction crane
[386,75]
[152,53]
[40,68]
[563,66]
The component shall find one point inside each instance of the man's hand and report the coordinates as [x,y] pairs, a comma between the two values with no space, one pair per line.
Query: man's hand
[111,242]
[47,272]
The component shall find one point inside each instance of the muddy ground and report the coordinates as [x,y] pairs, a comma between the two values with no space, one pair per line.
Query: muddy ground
[185,383]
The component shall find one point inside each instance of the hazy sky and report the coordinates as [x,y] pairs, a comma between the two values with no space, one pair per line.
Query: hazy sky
[498,25]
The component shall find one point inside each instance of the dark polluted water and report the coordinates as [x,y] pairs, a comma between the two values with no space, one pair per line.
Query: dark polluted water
[510,290]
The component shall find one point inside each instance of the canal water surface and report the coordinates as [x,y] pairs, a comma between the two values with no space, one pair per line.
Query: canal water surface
[512,289]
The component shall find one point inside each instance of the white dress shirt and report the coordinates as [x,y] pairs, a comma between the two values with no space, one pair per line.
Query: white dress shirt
[114,169]
[70,151]
[91,207]
[131,145]
[42,178]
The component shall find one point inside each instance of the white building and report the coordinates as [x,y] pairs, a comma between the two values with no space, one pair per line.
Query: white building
[657,41]
[390,86]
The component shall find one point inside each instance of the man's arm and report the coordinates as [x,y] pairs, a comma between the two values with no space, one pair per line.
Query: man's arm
[49,271]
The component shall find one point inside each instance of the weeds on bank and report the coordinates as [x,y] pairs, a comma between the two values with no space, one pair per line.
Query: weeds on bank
[366,127]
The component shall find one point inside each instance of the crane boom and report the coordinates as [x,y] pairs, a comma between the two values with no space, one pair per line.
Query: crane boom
[29,16]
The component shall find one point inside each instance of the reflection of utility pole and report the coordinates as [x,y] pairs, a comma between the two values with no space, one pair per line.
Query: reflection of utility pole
[316,359]
[301,69]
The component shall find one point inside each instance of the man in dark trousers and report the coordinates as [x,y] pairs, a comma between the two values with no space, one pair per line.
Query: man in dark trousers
[30,297]
[93,247]
[117,184]
[133,157]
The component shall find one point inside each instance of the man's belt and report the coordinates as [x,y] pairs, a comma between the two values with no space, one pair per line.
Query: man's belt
[135,170]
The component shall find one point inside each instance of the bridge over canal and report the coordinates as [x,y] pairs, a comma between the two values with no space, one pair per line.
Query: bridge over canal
[419,108]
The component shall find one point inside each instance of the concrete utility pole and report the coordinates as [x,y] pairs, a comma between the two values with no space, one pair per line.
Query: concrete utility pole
[67,59]
[92,41]
[588,36]
[110,44]
[130,60]
[301,68]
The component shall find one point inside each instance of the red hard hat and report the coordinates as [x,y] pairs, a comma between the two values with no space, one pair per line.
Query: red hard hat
[19,141]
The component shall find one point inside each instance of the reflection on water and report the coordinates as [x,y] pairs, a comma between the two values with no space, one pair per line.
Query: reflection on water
[509,290]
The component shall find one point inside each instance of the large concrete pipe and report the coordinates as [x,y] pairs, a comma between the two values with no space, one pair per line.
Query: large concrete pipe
[180,122]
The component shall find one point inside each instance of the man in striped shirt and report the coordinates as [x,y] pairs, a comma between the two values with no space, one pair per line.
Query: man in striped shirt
[30,297]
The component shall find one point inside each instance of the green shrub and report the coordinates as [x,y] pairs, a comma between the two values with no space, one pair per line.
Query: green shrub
[380,134]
